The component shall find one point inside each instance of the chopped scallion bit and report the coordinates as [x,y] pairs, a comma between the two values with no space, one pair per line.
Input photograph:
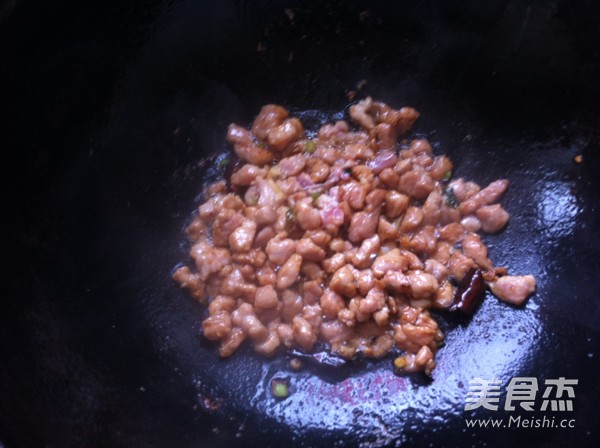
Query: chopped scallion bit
[223,162]
[315,196]
[310,146]
[280,387]
[447,176]
[450,198]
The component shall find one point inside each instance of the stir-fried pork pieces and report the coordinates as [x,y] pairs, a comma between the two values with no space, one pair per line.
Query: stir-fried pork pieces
[348,238]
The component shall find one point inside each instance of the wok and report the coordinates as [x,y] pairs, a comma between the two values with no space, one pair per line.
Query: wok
[112,110]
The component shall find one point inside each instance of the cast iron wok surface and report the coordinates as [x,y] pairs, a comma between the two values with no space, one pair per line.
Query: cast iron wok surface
[115,109]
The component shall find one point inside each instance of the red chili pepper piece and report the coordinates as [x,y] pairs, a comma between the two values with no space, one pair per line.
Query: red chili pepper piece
[469,293]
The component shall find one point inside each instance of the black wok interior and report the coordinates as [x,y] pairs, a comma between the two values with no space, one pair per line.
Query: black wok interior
[112,111]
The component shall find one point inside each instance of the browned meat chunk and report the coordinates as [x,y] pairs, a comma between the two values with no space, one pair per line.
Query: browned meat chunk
[514,289]
[493,218]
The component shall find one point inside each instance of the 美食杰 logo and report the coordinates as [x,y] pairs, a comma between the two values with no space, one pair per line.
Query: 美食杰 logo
[522,394]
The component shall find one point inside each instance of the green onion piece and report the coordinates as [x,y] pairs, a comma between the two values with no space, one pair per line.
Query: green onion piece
[280,388]
[223,162]
[310,146]
[450,198]
[447,176]
[315,196]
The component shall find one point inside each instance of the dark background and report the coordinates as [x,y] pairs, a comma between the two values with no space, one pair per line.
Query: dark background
[108,108]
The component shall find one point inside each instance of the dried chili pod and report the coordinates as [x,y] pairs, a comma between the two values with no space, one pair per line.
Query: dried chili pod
[469,293]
